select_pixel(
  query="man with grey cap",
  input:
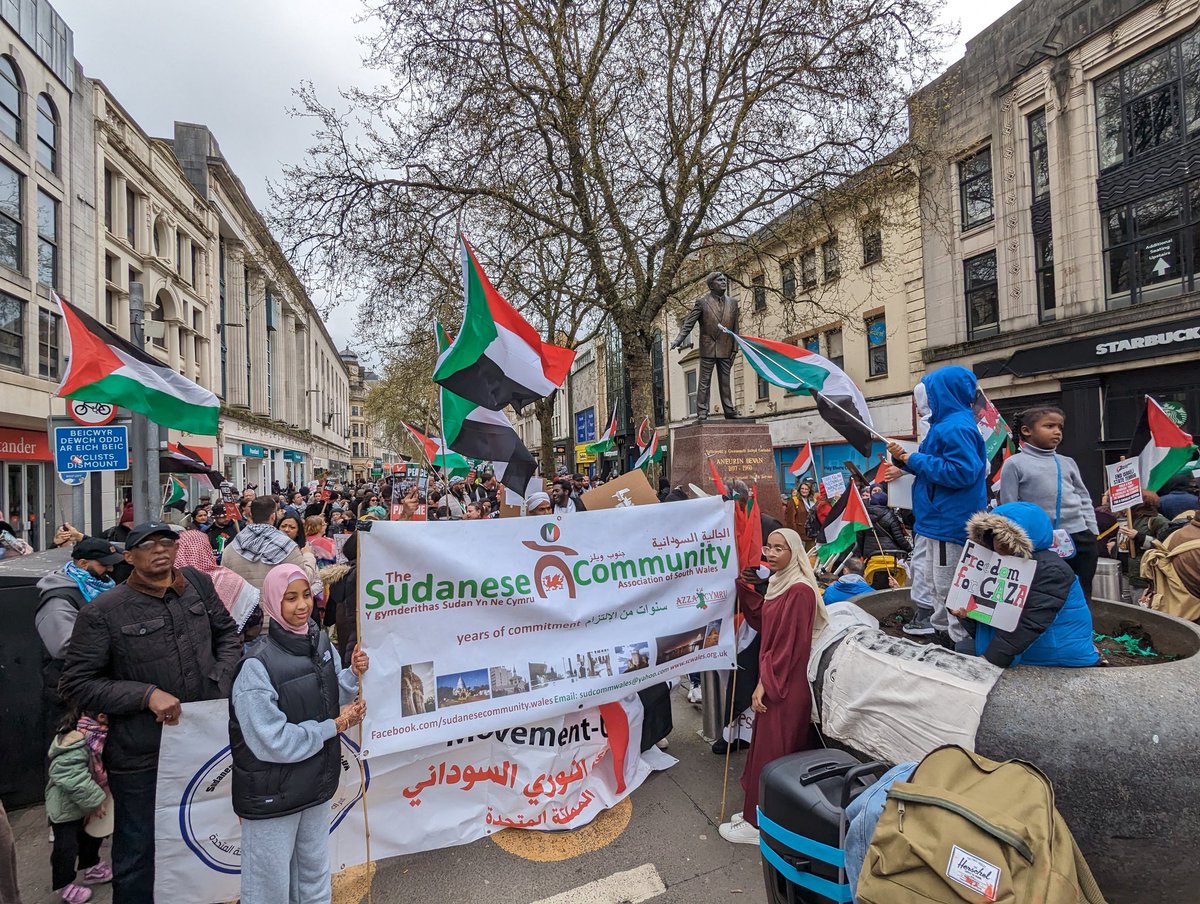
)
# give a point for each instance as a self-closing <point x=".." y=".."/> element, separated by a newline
<point x="62" y="593"/>
<point x="138" y="651"/>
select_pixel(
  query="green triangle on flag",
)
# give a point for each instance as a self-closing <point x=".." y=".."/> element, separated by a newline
<point x="847" y="517"/>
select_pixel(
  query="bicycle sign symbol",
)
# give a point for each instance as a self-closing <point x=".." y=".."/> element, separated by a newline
<point x="91" y="414"/>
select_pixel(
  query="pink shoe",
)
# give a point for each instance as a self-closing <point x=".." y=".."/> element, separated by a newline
<point x="76" y="894"/>
<point x="98" y="874"/>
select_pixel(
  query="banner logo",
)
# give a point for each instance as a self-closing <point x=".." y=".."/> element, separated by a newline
<point x="560" y="575"/>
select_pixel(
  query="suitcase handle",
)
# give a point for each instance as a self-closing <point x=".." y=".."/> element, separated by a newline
<point x="823" y="772"/>
<point x="856" y="772"/>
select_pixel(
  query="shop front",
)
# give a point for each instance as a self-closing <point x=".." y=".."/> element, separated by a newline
<point x="27" y="493"/>
<point x="295" y="472"/>
<point x="1101" y="383"/>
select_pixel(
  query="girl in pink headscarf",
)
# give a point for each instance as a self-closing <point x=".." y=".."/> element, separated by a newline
<point x="291" y="698"/>
<point x="239" y="595"/>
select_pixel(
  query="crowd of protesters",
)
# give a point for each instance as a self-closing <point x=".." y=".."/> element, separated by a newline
<point x="248" y="592"/>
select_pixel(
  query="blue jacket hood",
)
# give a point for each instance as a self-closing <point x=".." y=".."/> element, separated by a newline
<point x="1030" y="518"/>
<point x="949" y="389"/>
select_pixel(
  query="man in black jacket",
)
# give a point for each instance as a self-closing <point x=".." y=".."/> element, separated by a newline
<point x="137" y="652"/>
<point x="886" y="538"/>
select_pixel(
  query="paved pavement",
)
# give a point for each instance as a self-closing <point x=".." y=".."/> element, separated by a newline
<point x="668" y="853"/>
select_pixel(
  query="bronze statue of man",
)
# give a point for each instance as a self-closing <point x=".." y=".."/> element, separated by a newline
<point x="717" y="348"/>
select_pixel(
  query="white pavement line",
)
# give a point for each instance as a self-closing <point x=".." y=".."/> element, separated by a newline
<point x="630" y="887"/>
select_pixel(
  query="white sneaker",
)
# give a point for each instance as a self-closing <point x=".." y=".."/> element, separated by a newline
<point x="694" y="695"/>
<point x="663" y="744"/>
<point x="738" y="831"/>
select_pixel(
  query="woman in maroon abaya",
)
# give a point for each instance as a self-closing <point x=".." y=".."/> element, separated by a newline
<point x="788" y="617"/>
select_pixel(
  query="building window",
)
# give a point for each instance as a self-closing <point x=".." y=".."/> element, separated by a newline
<point x="758" y="287"/>
<point x="11" y="206"/>
<point x="877" y="365"/>
<point x="158" y="231"/>
<point x="1043" y="249"/>
<point x="48" y="343"/>
<point x="1138" y="107"/>
<point x="1152" y="246"/>
<point x="158" y="315"/>
<point x="195" y="268"/>
<point x="354" y="410"/>
<point x="12" y="332"/>
<point x="975" y="189"/>
<point x="833" y="347"/>
<point x="47" y="133"/>
<point x="1039" y="155"/>
<point x="131" y="205"/>
<point x="179" y="253"/>
<point x="872" y="242"/>
<point x="690" y="380"/>
<point x="10" y="99"/>
<point x="808" y="269"/>
<point x="833" y="266"/>
<point x="787" y="279"/>
<point x="983" y="295"/>
<point x="813" y="343"/>
<point x="109" y="200"/>
<point x="354" y="429"/>
<point x="764" y="390"/>
<point x="47" y="224"/>
<point x="110" y="297"/>
<point x="197" y="333"/>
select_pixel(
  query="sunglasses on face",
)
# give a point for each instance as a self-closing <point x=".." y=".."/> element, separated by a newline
<point x="151" y="542"/>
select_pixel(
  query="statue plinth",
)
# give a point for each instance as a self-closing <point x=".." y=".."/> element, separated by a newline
<point x="739" y="449"/>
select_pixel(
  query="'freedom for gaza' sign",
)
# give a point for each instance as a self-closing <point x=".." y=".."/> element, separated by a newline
<point x="476" y="627"/>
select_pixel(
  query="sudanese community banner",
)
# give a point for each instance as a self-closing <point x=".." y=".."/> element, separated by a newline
<point x="482" y="627"/>
<point x="559" y="773"/>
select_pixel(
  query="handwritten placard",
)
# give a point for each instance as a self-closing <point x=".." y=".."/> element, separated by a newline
<point x="991" y="587"/>
<point x="834" y="485"/>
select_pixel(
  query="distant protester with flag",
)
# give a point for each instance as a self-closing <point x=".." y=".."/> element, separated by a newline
<point x="1039" y="474"/>
<point x="951" y="470"/>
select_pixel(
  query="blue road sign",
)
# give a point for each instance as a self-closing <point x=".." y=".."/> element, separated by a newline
<point x="78" y="450"/>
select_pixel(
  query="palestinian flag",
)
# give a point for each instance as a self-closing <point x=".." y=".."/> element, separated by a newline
<point x="747" y="531"/>
<point x="436" y="453"/>
<point x="497" y="359"/>
<point x="481" y="433"/>
<point x="650" y="453"/>
<point x="847" y="517"/>
<point x="607" y="438"/>
<point x="179" y="459"/>
<point x="1008" y="453"/>
<point x="839" y="401"/>
<point x="1162" y="448"/>
<point x="106" y="368"/>
<point x="803" y="461"/>
<point x="992" y="426"/>
<point x="175" y="493"/>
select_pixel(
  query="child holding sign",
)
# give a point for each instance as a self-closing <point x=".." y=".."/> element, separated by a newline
<point x="1052" y="481"/>
<point x="1055" y="628"/>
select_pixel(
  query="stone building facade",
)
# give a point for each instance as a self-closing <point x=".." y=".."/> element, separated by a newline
<point x="1061" y="216"/>
<point x="46" y="245"/>
<point x="284" y="386"/>
<point x="841" y="276"/>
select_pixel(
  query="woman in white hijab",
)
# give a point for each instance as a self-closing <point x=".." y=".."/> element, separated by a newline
<point x="788" y="617"/>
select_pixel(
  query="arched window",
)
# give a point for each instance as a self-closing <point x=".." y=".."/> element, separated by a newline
<point x="47" y="133"/>
<point x="10" y="99"/>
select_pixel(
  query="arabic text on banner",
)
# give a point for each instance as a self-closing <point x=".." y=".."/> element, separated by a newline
<point x="556" y="774"/>
<point x="478" y="627"/>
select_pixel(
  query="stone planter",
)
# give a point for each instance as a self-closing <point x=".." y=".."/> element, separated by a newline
<point x="1122" y="747"/>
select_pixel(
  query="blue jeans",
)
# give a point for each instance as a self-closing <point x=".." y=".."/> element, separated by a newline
<point x="133" y="836"/>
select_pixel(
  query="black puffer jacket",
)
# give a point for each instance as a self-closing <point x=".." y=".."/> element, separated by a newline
<point x="890" y="531"/>
<point x="126" y="643"/>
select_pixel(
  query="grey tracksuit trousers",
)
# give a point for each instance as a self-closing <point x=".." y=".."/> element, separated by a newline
<point x="301" y="840"/>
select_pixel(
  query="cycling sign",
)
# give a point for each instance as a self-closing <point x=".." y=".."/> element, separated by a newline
<point x="91" y="414"/>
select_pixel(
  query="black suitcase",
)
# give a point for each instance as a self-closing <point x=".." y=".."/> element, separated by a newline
<point x="802" y="804"/>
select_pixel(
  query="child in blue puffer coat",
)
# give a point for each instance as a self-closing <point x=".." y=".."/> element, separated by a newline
<point x="1056" y="627"/>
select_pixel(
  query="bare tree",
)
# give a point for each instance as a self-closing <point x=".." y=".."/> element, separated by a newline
<point x="640" y="130"/>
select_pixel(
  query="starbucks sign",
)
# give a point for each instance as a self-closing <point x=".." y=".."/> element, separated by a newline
<point x="1176" y="412"/>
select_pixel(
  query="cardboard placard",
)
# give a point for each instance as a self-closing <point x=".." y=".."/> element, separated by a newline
<point x="507" y="508"/>
<point x="631" y="488"/>
<point x="900" y="490"/>
<point x="834" y="485"/>
<point x="990" y="586"/>
<point x="1124" y="485"/>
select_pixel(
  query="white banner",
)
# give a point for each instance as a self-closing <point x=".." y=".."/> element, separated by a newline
<point x="556" y="774"/>
<point x="480" y="626"/>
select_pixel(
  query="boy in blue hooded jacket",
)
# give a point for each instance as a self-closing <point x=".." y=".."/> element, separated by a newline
<point x="950" y="486"/>
<point x="1056" y="627"/>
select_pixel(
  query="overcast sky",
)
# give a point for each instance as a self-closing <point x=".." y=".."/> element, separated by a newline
<point x="233" y="64"/>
